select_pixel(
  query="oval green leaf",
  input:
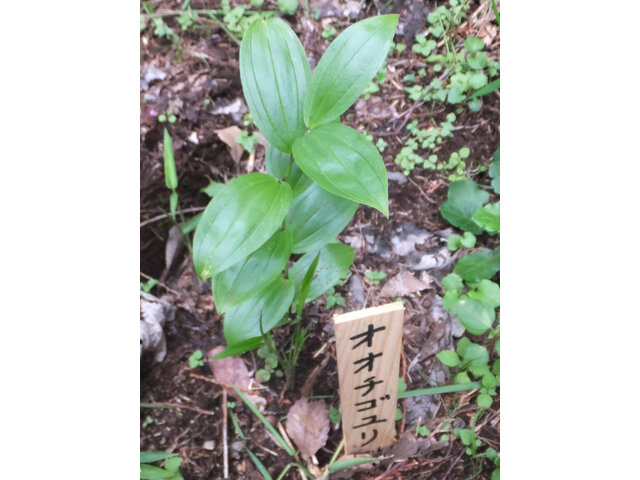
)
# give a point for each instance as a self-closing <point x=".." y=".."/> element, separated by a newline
<point x="333" y="264"/>
<point x="463" y="199"/>
<point x="275" y="72"/>
<point x="347" y="67"/>
<point x="247" y="278"/>
<point x="481" y="264"/>
<point x="477" y="317"/>
<point x="238" y="220"/>
<point x="316" y="217"/>
<point x="243" y="321"/>
<point x="343" y="162"/>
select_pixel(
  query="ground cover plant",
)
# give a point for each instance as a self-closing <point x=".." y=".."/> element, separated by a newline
<point x="431" y="242"/>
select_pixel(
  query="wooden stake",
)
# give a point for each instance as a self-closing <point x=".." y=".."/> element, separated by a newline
<point x="368" y="344"/>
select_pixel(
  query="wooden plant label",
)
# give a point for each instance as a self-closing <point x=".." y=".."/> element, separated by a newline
<point x="368" y="344"/>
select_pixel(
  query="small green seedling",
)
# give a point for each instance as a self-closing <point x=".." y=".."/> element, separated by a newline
<point x="335" y="416"/>
<point x="375" y="276"/>
<point x="195" y="359"/>
<point x="148" y="285"/>
<point x="423" y="431"/>
<point x="270" y="364"/>
<point x="334" y="298"/>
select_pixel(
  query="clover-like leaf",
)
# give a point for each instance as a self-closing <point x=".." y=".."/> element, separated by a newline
<point x="238" y="220"/>
<point x="488" y="217"/>
<point x="275" y="72"/>
<point x="343" y="162"/>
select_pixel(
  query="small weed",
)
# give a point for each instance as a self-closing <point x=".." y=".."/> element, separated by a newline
<point x="270" y="365"/>
<point x="335" y="416"/>
<point x="329" y="33"/>
<point x="247" y="141"/>
<point x="147" y="421"/>
<point x="375" y="276"/>
<point x="148" y="285"/>
<point x="288" y="7"/>
<point x="423" y="431"/>
<point x="334" y="298"/>
<point x="168" y="116"/>
<point x="195" y="359"/>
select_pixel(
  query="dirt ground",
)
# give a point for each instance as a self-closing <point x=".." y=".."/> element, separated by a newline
<point x="199" y="81"/>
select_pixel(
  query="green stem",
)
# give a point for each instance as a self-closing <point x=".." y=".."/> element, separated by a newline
<point x="437" y="390"/>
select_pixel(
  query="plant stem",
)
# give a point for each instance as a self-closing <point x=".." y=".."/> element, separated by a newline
<point x="437" y="390"/>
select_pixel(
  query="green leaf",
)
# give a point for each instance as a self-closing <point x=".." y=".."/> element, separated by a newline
<point x="468" y="240"/>
<point x="449" y="358"/>
<point x="276" y="162"/>
<point x="243" y="322"/>
<point x="462" y="346"/>
<point x="347" y="67"/>
<point x="149" y="472"/>
<point x="477" y="317"/>
<point x="249" y="277"/>
<point x="463" y="199"/>
<point x="462" y="377"/>
<point x="488" y="217"/>
<point x="476" y="355"/>
<point x="453" y="242"/>
<point x="456" y="94"/>
<point x="240" y="347"/>
<point x="495" y="85"/>
<point x="334" y="415"/>
<point x="333" y="264"/>
<point x="265" y="422"/>
<point x="352" y="462"/>
<point x="473" y="44"/>
<point x="489" y="380"/>
<point x="452" y="283"/>
<point x="275" y="72"/>
<point x="343" y="162"/>
<point x="496" y="473"/>
<point x="484" y="400"/>
<point x="478" y="61"/>
<point x="467" y="436"/>
<point x="494" y="171"/>
<point x="152" y="457"/>
<point x="317" y="217"/>
<point x="239" y="219"/>
<point x="173" y="464"/>
<point x="487" y="292"/>
<point x="256" y="461"/>
<point x="170" y="174"/>
<point x="478" y="80"/>
<point x="479" y="265"/>
<point x="212" y="188"/>
<point x="288" y="7"/>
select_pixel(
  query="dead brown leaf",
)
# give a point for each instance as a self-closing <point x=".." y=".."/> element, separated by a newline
<point x="402" y="284"/>
<point x="228" y="135"/>
<point x="232" y="371"/>
<point x="308" y="425"/>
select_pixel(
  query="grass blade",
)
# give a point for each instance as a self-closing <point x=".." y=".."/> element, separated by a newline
<point x="495" y="85"/>
<point x="259" y="465"/>
<point x="266" y="423"/>
<point x="437" y="390"/>
<point x="352" y="462"/>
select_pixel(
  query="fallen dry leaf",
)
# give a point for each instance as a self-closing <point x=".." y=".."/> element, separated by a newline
<point x="228" y="135"/>
<point x="232" y="371"/>
<point x="308" y="425"/>
<point x="402" y="284"/>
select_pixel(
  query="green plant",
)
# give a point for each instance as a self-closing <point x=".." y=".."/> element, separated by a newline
<point x="195" y="359"/>
<point x="170" y="174"/>
<point x="375" y="276"/>
<point x="329" y="33"/>
<point x="148" y="285"/>
<point x="318" y="171"/>
<point x="288" y="7"/>
<point x="334" y="298"/>
<point x="270" y="364"/>
<point x="170" y="470"/>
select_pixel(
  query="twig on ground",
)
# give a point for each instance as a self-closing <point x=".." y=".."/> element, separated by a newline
<point x="225" y="447"/>
<point x="433" y="202"/>
<point x="168" y="215"/>
<point x="159" y="283"/>
<point x="455" y="462"/>
<point x="181" y="406"/>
